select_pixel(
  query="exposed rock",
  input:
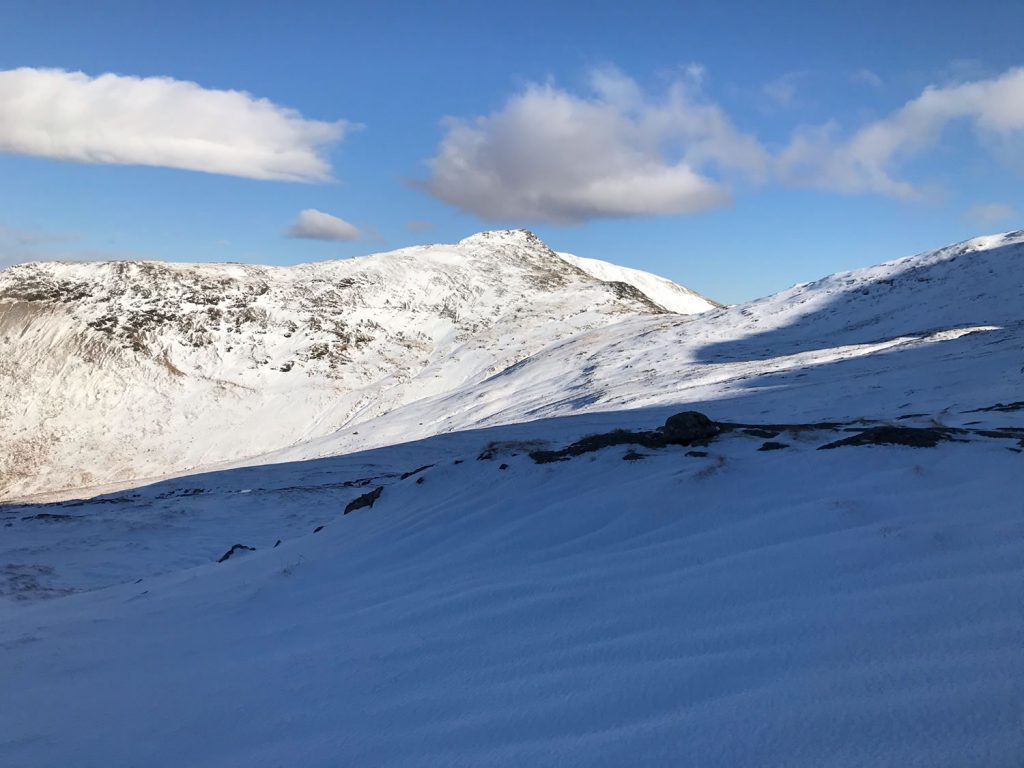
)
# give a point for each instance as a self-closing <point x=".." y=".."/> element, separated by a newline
<point x="770" y="445"/>
<point x="234" y="549"/>
<point x="768" y="431"/>
<point x="912" y="437"/>
<point x="592" y="443"/>
<point x="689" y="427"/>
<point x="366" y="500"/>
<point x="1002" y="433"/>
<point x="407" y="475"/>
<point x="1017" y="405"/>
<point x="509" y="447"/>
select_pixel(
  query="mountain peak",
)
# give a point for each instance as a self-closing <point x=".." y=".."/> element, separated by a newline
<point x="505" y="236"/>
<point x="332" y="344"/>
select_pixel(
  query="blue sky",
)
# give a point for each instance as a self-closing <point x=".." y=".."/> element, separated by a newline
<point x="734" y="147"/>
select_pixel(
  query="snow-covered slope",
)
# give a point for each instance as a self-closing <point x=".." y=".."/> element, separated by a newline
<point x="671" y="296"/>
<point x="723" y="607"/>
<point x="125" y="370"/>
<point x="938" y="333"/>
<point x="750" y="601"/>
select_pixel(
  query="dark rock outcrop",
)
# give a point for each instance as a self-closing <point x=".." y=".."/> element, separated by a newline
<point x="688" y="427"/>
<point x="912" y="437"/>
<point x="235" y="548"/>
<point x="1017" y="405"/>
<point x="407" y="475"/>
<point x="366" y="500"/>
<point x="593" y="443"/>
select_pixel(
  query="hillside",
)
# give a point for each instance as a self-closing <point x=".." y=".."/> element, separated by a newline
<point x="671" y="296"/>
<point x="125" y="370"/>
<point x="626" y="606"/>
<point x="828" y="572"/>
<point x="930" y="336"/>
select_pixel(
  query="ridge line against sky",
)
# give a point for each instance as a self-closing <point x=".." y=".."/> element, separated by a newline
<point x="578" y="153"/>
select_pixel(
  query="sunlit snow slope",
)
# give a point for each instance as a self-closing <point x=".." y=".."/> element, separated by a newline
<point x="673" y="297"/>
<point x="125" y="370"/>
<point x="938" y="333"/>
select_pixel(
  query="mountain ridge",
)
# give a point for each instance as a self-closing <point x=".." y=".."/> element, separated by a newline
<point x="952" y="311"/>
<point x="210" y="347"/>
<point x="948" y="309"/>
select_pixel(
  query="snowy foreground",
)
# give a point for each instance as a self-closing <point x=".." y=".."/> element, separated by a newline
<point x="751" y="601"/>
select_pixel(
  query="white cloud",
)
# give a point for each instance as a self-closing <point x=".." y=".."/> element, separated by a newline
<point x="987" y="214"/>
<point x="549" y="155"/>
<point x="161" y="122"/>
<point x="782" y="90"/>
<point x="312" y="224"/>
<point x="864" y="162"/>
<point x="695" y="73"/>
<point x="867" y="77"/>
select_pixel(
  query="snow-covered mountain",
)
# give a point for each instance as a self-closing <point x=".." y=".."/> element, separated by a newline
<point x="940" y="333"/>
<point x="124" y="370"/>
<point x="671" y="296"/>
<point x="515" y="595"/>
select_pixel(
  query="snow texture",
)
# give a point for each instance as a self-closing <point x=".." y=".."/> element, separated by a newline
<point x="673" y="297"/>
<point x="119" y="371"/>
<point x="714" y="605"/>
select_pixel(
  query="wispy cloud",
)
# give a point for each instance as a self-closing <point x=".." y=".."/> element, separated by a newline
<point x="551" y="155"/>
<point x="865" y="162"/>
<point x="867" y="77"/>
<point x="8" y="258"/>
<point x="27" y="238"/>
<point x="782" y="91"/>
<point x="312" y="224"/>
<point x="19" y="246"/>
<point x="988" y="214"/>
<point x="159" y="121"/>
